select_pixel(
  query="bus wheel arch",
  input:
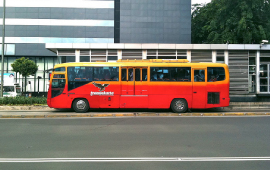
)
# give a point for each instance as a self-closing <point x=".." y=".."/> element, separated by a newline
<point x="80" y="105"/>
<point x="179" y="105"/>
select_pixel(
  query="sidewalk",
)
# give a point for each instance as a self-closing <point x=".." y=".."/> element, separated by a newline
<point x="8" y="108"/>
<point x="46" y="112"/>
<point x="234" y="106"/>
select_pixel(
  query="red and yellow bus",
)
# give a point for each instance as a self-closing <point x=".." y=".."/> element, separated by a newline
<point x="152" y="84"/>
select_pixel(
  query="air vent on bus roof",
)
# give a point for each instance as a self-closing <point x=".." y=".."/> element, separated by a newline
<point x="157" y="61"/>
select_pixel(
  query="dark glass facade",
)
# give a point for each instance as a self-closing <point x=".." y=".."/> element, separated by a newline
<point x="155" y="21"/>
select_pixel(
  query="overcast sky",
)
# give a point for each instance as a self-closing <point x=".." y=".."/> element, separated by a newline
<point x="199" y="1"/>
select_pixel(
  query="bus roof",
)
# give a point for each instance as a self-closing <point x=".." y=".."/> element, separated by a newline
<point x="143" y="63"/>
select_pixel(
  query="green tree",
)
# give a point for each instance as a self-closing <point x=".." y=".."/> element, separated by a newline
<point x="231" y="21"/>
<point x="25" y="67"/>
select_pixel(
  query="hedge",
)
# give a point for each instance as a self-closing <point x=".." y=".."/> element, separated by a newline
<point x="23" y="101"/>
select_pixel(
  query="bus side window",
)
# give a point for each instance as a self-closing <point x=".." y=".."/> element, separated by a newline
<point x="98" y="74"/>
<point x="157" y="73"/>
<point x="169" y="74"/>
<point x="180" y="74"/>
<point x="166" y="74"/>
<point x="137" y="74"/>
<point x="199" y="75"/>
<point x="124" y="74"/>
<point x="106" y="74"/>
<point x="215" y="74"/>
<point x="71" y="73"/>
<point x="144" y="74"/>
<point x="114" y="73"/>
<point x="188" y="74"/>
<point x="89" y="73"/>
<point x="153" y="73"/>
<point x="78" y="76"/>
<point x="130" y="74"/>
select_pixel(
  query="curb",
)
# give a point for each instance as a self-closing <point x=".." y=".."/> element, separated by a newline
<point x="219" y="112"/>
<point x="6" y="116"/>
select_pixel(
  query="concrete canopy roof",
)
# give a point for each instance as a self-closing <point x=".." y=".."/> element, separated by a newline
<point x="118" y="46"/>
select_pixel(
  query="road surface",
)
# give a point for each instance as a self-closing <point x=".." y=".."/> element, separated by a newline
<point x="136" y="143"/>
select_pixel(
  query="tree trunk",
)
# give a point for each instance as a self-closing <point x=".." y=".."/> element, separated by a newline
<point x="25" y="84"/>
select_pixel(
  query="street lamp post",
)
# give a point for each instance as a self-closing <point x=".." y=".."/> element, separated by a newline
<point x="3" y="45"/>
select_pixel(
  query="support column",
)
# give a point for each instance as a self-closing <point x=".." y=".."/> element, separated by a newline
<point x="59" y="58"/>
<point x="189" y="55"/>
<point x="144" y="53"/>
<point x="214" y="56"/>
<point x="226" y="55"/>
<point x="258" y="71"/>
<point x="77" y="55"/>
<point x="119" y="54"/>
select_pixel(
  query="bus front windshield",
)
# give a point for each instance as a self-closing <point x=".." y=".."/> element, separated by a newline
<point x="58" y="84"/>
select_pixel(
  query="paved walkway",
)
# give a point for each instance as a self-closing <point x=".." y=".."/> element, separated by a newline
<point x="46" y="112"/>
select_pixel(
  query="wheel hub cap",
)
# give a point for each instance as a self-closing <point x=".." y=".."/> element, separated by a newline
<point x="81" y="104"/>
<point x="179" y="105"/>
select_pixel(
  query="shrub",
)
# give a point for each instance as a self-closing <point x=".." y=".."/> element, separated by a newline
<point x="21" y="100"/>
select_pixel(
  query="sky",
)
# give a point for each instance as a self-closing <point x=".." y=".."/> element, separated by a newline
<point x="199" y="1"/>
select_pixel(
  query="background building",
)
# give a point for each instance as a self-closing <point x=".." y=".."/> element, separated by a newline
<point x="153" y="21"/>
<point x="32" y="23"/>
<point x="249" y="64"/>
<point x="91" y="30"/>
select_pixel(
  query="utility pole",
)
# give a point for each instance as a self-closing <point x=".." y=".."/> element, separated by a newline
<point x="3" y="47"/>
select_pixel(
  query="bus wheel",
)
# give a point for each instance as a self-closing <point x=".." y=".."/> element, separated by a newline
<point x="179" y="105"/>
<point x="80" y="105"/>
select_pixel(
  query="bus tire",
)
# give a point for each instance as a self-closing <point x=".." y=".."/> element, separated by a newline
<point x="179" y="105"/>
<point x="80" y="105"/>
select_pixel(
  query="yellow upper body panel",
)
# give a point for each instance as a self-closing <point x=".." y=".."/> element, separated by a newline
<point x="144" y="63"/>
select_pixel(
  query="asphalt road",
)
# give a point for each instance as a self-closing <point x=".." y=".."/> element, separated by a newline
<point x="136" y="143"/>
<point x="61" y="113"/>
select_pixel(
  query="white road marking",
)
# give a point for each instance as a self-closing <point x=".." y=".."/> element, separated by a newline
<point x="162" y="159"/>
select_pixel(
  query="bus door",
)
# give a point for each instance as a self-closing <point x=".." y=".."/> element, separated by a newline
<point x="134" y="87"/>
<point x="127" y="81"/>
<point x="141" y="87"/>
<point x="199" y="98"/>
